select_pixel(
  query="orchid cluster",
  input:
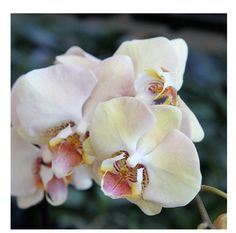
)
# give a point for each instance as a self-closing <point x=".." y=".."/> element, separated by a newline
<point x="117" y="121"/>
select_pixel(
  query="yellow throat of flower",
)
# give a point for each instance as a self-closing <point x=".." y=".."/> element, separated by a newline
<point x="163" y="92"/>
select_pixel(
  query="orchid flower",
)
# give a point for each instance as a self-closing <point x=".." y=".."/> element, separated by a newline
<point x="32" y="175"/>
<point x="52" y="107"/>
<point x="142" y="156"/>
<point x="159" y="66"/>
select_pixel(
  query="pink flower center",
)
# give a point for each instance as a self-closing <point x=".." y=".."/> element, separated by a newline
<point x="122" y="180"/>
<point x="66" y="151"/>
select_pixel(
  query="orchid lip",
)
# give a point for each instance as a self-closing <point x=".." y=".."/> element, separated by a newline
<point x="66" y="147"/>
<point x="123" y="180"/>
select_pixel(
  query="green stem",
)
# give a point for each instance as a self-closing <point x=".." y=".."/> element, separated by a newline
<point x="213" y="190"/>
<point x="203" y="212"/>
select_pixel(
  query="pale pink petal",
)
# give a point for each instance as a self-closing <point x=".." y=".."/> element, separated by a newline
<point x="114" y="186"/>
<point x="49" y="96"/>
<point x="23" y="158"/>
<point x="148" y="207"/>
<point x="24" y="202"/>
<point x="82" y="177"/>
<point x="181" y="49"/>
<point x="152" y="53"/>
<point x="115" y="78"/>
<point x="118" y="124"/>
<point x="64" y="159"/>
<point x="46" y="174"/>
<point x="190" y="125"/>
<point x="173" y="171"/>
<point x="167" y="118"/>
<point x="56" y="191"/>
<point x="75" y="55"/>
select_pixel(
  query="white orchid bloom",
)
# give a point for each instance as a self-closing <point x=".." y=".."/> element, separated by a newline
<point x="159" y="66"/>
<point x="142" y="155"/>
<point x="52" y="107"/>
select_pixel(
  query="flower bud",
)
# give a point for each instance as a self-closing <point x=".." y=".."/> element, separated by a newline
<point x="221" y="221"/>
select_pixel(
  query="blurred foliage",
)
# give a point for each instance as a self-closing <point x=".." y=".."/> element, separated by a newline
<point x="37" y="39"/>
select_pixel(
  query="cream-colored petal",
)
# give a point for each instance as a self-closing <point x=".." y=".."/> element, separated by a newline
<point x="82" y="177"/>
<point x="46" y="154"/>
<point x="167" y="118"/>
<point x="182" y="53"/>
<point x="88" y="152"/>
<point x="23" y="158"/>
<point x="152" y="53"/>
<point x="190" y="125"/>
<point x="96" y="172"/>
<point x="24" y="202"/>
<point x="115" y="78"/>
<point x="148" y="207"/>
<point x="76" y="55"/>
<point x="49" y="96"/>
<point x="118" y="124"/>
<point x="173" y="171"/>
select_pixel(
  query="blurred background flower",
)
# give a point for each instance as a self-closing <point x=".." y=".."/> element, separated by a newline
<point x="37" y="39"/>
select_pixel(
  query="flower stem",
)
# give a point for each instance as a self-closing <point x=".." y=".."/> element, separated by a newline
<point x="213" y="190"/>
<point x="203" y="212"/>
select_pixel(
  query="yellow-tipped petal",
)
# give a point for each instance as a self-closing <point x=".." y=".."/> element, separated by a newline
<point x="148" y="207"/>
<point x="150" y="53"/>
<point x="118" y="124"/>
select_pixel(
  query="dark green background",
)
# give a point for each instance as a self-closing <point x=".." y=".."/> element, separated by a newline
<point x="37" y="39"/>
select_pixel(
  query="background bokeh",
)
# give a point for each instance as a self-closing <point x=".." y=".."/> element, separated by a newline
<point x="37" y="39"/>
